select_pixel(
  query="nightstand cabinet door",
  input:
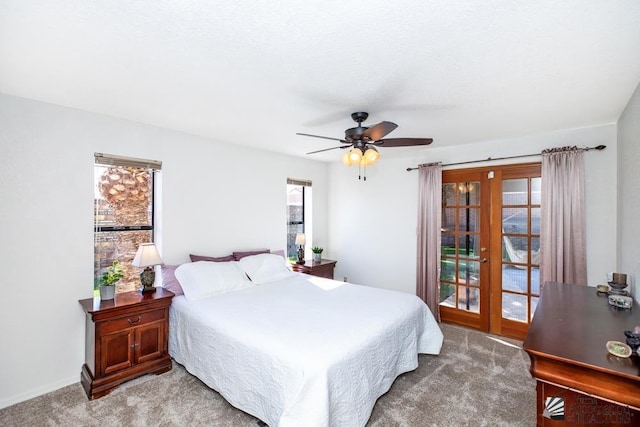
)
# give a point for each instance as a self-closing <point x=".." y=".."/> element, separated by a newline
<point x="149" y="342"/>
<point x="116" y="352"/>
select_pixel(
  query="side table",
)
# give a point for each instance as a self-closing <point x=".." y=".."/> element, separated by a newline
<point x="126" y="337"/>
<point x="324" y="268"/>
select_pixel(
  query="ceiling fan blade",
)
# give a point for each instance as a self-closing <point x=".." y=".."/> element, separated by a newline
<point x="323" y="137"/>
<point x="403" y="142"/>
<point x="327" y="149"/>
<point x="379" y="131"/>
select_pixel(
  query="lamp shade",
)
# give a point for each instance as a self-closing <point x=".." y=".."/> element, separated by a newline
<point x="146" y="256"/>
<point x="300" y="239"/>
<point x="346" y="159"/>
<point x="371" y="155"/>
<point x="355" y="155"/>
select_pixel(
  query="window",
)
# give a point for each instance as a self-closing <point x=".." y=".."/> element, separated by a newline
<point x="298" y="214"/>
<point x="123" y="214"/>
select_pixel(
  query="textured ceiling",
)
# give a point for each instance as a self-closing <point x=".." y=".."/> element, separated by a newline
<point x="257" y="72"/>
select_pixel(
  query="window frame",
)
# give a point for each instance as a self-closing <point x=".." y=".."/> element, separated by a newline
<point x="291" y="255"/>
<point x="106" y="161"/>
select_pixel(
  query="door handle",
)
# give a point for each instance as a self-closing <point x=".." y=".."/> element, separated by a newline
<point x="483" y="260"/>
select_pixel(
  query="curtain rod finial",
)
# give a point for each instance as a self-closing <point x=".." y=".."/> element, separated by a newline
<point x="601" y="147"/>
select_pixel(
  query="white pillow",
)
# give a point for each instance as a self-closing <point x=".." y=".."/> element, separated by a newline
<point x="265" y="268"/>
<point x="203" y="279"/>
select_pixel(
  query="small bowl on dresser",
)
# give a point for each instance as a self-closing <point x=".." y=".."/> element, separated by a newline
<point x="603" y="289"/>
<point x="618" y="349"/>
<point x="620" y="301"/>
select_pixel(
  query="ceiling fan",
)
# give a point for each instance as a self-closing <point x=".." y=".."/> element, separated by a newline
<point x="362" y="140"/>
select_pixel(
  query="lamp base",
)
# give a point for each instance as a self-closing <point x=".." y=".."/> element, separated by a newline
<point x="300" y="255"/>
<point x="147" y="279"/>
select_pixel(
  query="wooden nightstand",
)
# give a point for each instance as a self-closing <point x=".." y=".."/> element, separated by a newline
<point x="125" y="338"/>
<point x="324" y="268"/>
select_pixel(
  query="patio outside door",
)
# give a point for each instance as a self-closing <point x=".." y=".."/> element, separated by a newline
<point x="489" y="277"/>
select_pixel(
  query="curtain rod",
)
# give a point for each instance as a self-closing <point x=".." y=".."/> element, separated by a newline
<point x="599" y="147"/>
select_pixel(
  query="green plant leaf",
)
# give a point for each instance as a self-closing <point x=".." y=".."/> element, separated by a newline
<point x="112" y="274"/>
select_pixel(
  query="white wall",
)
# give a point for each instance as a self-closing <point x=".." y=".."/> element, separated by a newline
<point x="628" y="201"/>
<point x="215" y="198"/>
<point x="373" y="224"/>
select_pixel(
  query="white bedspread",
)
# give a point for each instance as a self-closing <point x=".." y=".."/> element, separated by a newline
<point x="304" y="351"/>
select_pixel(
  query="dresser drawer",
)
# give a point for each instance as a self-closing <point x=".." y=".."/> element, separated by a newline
<point x="327" y="273"/>
<point x="132" y="320"/>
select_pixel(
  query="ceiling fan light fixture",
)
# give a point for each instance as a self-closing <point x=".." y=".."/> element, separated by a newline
<point x="346" y="159"/>
<point x="371" y="155"/>
<point x="360" y="141"/>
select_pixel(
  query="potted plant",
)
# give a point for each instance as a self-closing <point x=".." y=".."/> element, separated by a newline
<point x="110" y="277"/>
<point x="317" y="253"/>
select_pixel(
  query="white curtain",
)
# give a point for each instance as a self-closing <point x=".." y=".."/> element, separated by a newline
<point x="563" y="229"/>
<point x="429" y="223"/>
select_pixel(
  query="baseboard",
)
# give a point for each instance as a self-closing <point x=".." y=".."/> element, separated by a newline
<point x="12" y="400"/>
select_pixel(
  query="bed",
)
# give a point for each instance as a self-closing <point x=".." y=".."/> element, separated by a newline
<point x="293" y="349"/>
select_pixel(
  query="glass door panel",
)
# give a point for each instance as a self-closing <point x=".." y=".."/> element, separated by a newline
<point x="469" y="276"/>
<point x="448" y="219"/>
<point x="515" y="250"/>
<point x="536" y="186"/>
<point x="515" y="220"/>
<point x="534" y="304"/>
<point x="469" y="219"/>
<point x="514" y="307"/>
<point x="468" y="246"/>
<point x="468" y="299"/>
<point x="515" y="192"/>
<point x="449" y="194"/>
<point x="468" y="193"/>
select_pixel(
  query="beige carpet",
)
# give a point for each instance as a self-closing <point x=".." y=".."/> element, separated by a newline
<point x="475" y="381"/>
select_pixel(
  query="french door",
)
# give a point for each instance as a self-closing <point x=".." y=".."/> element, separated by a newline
<point x="489" y="277"/>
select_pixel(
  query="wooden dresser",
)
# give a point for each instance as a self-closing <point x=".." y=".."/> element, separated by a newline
<point x="573" y="370"/>
<point x="324" y="268"/>
<point x="125" y="338"/>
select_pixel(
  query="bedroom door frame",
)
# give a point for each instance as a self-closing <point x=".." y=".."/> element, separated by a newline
<point x="486" y="255"/>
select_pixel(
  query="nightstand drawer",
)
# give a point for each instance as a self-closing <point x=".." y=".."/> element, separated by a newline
<point x="327" y="273"/>
<point x="130" y="321"/>
<point x="323" y="268"/>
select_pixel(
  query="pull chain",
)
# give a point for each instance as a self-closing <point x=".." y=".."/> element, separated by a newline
<point x="362" y="171"/>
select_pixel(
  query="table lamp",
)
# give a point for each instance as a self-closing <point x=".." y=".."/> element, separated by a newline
<point x="300" y="241"/>
<point x="147" y="256"/>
